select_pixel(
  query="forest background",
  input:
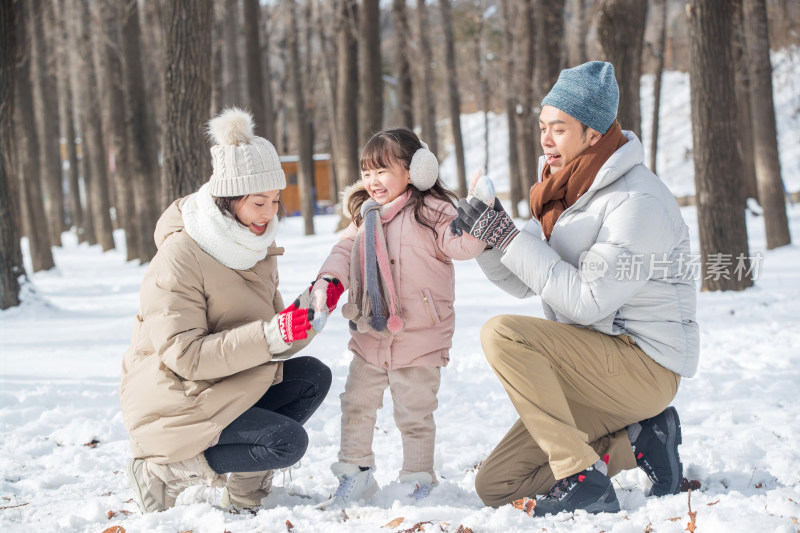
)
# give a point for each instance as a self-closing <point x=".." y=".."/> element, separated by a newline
<point x="104" y="102"/>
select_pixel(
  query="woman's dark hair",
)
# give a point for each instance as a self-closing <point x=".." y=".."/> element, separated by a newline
<point x="399" y="145"/>
<point x="227" y="203"/>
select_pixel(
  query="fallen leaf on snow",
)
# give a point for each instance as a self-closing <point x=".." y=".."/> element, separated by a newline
<point x="394" y="523"/>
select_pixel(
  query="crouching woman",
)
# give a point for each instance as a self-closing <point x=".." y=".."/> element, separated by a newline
<point x="207" y="385"/>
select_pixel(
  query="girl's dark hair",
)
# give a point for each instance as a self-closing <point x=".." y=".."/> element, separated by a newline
<point x="227" y="203"/>
<point x="399" y="145"/>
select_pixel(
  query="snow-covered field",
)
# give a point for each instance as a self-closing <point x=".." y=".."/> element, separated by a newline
<point x="61" y="354"/>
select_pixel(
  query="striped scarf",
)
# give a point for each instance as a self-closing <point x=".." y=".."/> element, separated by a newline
<point x="372" y="294"/>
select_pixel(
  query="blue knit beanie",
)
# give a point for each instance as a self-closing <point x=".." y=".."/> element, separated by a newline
<point x="589" y="93"/>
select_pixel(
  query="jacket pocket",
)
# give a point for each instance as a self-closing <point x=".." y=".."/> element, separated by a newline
<point x="430" y="307"/>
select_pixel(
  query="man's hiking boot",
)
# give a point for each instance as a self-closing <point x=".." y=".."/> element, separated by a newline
<point x="656" y="451"/>
<point x="589" y="489"/>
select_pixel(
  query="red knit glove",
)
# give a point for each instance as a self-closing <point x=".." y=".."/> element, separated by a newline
<point x="332" y="288"/>
<point x="289" y="325"/>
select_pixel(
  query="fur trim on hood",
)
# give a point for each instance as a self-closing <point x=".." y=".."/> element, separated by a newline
<point x="345" y="195"/>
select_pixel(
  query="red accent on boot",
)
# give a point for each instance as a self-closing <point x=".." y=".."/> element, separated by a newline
<point x="606" y="458"/>
<point x="640" y="455"/>
<point x="581" y="477"/>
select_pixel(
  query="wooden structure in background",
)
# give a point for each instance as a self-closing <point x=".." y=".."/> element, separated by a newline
<point x="323" y="193"/>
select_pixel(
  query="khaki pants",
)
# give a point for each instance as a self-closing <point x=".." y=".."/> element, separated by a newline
<point x="413" y="391"/>
<point x="575" y="390"/>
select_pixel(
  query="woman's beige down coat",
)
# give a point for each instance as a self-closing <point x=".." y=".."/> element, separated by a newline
<point x="198" y="356"/>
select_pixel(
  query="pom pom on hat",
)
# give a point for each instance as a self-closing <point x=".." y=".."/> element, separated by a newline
<point x="233" y="126"/>
<point x="424" y="168"/>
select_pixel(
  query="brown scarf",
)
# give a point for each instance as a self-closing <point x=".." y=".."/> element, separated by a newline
<point x="556" y="192"/>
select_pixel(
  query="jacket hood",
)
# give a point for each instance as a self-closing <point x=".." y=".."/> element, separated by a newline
<point x="171" y="221"/>
<point x="345" y="195"/>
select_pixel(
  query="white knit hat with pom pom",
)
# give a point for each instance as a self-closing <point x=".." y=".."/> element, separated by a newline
<point x="243" y="162"/>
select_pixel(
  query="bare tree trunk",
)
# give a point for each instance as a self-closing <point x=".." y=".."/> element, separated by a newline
<point x="767" y="162"/>
<point x="510" y="106"/>
<point x="548" y="27"/>
<point x="269" y="108"/>
<point x="152" y="33"/>
<point x="328" y="44"/>
<point x="232" y="77"/>
<point x="139" y="128"/>
<point x="477" y="41"/>
<point x="27" y="168"/>
<point x="46" y="112"/>
<point x="304" y="178"/>
<point x="453" y="96"/>
<point x="66" y="116"/>
<point x="93" y="143"/>
<point x="527" y="104"/>
<point x="659" y="53"/>
<point x="745" y="141"/>
<point x="404" y="80"/>
<point x="426" y="95"/>
<point x="621" y="33"/>
<point x="717" y="167"/>
<point x="217" y="51"/>
<point x="71" y="11"/>
<point x="11" y="265"/>
<point x="347" y="171"/>
<point x="116" y="130"/>
<point x="371" y="79"/>
<point x="187" y="61"/>
<point x="580" y="23"/>
<point x="252" y="55"/>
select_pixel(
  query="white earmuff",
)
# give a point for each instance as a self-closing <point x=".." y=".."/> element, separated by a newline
<point x="424" y="168"/>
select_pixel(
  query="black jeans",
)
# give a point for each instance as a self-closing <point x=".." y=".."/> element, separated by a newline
<point x="270" y="434"/>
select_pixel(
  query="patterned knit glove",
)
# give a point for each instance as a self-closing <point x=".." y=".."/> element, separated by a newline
<point x="492" y="226"/>
<point x="289" y="325"/>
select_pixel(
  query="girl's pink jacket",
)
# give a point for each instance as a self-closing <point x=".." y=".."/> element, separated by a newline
<point x="424" y="278"/>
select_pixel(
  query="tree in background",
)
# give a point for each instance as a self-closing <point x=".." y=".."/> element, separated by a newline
<point x="11" y="267"/>
<point x="658" y="52"/>
<point x="109" y="66"/>
<point x="346" y="161"/>
<point x="370" y="66"/>
<point x="621" y="33"/>
<point x="402" y="32"/>
<point x="765" y="132"/>
<point x="45" y="105"/>
<point x="187" y="92"/>
<point x="94" y="148"/>
<point x="509" y="91"/>
<point x="453" y="96"/>
<point x="744" y="131"/>
<point x="27" y="169"/>
<point x="717" y="164"/>
<point x="527" y="115"/>
<point x="140" y="129"/>
<point x="66" y="117"/>
<point x="427" y="97"/>
<point x="305" y="167"/>
<point x="255" y="80"/>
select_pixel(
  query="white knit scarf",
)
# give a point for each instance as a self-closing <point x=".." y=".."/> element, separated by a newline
<point x="223" y="237"/>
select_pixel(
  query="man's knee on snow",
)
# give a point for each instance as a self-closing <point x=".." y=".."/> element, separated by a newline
<point x="492" y="491"/>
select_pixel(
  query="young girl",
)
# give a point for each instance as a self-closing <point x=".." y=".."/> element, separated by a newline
<point x="396" y="259"/>
<point x="205" y="389"/>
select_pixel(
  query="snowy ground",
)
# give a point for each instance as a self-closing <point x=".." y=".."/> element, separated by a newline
<point x="61" y="353"/>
